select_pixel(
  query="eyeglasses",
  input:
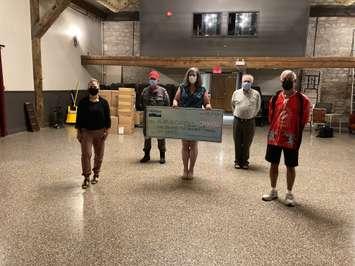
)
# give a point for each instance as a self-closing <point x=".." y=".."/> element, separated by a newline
<point x="248" y="81"/>
<point x="192" y="75"/>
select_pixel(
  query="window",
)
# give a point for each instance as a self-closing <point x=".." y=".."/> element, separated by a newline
<point x="207" y="24"/>
<point x="242" y="24"/>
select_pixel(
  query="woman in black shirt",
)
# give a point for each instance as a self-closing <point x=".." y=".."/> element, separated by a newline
<point x="93" y="121"/>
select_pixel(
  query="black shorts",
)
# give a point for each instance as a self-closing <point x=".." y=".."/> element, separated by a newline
<point x="273" y="155"/>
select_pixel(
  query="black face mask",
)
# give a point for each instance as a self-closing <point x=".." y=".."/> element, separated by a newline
<point x="93" y="90"/>
<point x="287" y="84"/>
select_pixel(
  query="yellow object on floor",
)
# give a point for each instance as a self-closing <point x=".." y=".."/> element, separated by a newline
<point x="71" y="116"/>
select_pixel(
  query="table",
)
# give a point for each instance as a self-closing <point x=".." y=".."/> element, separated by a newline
<point x="338" y="116"/>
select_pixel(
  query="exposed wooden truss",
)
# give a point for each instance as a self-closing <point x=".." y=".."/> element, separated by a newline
<point x="39" y="27"/>
<point x="345" y="2"/>
<point x="224" y="62"/>
<point x="90" y="8"/>
<point x="114" y="5"/>
<point x="123" y="16"/>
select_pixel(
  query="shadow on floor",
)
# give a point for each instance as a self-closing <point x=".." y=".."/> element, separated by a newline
<point x="176" y="184"/>
<point x="314" y="215"/>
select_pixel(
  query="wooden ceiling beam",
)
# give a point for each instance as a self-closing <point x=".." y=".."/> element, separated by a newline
<point x="41" y="27"/>
<point x="123" y="16"/>
<point x="332" y="11"/>
<point x="224" y="62"/>
<point x="90" y="8"/>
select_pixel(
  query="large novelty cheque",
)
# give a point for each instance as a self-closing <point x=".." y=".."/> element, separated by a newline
<point x="184" y="123"/>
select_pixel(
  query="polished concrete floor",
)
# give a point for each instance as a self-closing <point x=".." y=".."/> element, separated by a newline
<point x="146" y="215"/>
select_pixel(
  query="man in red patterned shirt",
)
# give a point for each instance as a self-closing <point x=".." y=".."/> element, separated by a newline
<point x="288" y="114"/>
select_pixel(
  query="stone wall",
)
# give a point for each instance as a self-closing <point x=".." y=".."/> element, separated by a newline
<point x="333" y="38"/>
<point x="123" y="39"/>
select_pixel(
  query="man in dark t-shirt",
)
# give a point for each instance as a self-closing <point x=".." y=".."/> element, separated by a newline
<point x="93" y="121"/>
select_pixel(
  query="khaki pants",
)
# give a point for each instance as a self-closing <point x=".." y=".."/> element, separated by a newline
<point x="92" y="139"/>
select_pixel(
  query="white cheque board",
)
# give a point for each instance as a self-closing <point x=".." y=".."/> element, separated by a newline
<point x="184" y="123"/>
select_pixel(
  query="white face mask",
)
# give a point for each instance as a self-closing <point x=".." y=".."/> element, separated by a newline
<point x="192" y="79"/>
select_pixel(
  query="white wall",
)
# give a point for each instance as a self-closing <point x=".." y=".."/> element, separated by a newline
<point x="61" y="60"/>
<point x="15" y="33"/>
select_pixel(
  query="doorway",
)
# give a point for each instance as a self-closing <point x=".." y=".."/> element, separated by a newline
<point x="222" y="88"/>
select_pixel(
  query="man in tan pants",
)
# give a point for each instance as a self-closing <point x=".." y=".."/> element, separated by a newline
<point x="93" y="121"/>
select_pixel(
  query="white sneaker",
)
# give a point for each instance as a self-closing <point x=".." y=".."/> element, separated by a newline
<point x="271" y="196"/>
<point x="290" y="200"/>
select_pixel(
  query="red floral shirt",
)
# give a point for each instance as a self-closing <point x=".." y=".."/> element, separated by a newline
<point x="287" y="120"/>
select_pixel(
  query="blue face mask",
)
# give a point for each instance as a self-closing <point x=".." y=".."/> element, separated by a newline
<point x="153" y="83"/>
<point x="246" y="85"/>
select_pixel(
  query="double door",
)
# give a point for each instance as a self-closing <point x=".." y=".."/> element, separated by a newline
<point x="221" y="89"/>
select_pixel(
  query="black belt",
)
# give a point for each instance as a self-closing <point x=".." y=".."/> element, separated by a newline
<point x="243" y="120"/>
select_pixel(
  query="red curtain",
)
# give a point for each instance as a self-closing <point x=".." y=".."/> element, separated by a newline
<point x="3" y="130"/>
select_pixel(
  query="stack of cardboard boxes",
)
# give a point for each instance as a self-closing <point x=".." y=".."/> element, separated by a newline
<point x="122" y="108"/>
<point x="126" y="110"/>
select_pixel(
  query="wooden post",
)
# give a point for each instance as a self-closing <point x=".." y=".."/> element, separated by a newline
<point x="39" y="28"/>
<point x="38" y="80"/>
<point x="42" y="25"/>
<point x="37" y="63"/>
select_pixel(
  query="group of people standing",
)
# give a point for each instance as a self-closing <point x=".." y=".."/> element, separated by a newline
<point x="288" y="113"/>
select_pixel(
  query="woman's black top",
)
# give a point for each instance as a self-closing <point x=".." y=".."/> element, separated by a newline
<point x="93" y="115"/>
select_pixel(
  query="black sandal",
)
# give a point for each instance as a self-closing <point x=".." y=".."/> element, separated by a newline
<point x="86" y="183"/>
<point x="95" y="179"/>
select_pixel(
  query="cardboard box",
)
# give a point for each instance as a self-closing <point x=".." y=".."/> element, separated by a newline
<point x="113" y="111"/>
<point x="114" y="125"/>
<point x="126" y="119"/>
<point x="125" y="130"/>
<point x="127" y="90"/>
<point x="126" y="106"/>
<point x="106" y="95"/>
<point x="114" y="99"/>
<point x="125" y="112"/>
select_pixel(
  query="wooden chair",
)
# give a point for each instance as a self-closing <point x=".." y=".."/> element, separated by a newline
<point x="318" y="117"/>
<point x="351" y="123"/>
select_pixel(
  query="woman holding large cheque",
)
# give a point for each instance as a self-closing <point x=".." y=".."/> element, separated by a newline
<point x="191" y="94"/>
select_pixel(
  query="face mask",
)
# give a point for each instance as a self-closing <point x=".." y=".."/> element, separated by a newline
<point x="246" y="85"/>
<point x="153" y="83"/>
<point x="287" y="84"/>
<point x="93" y="90"/>
<point x="192" y="79"/>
